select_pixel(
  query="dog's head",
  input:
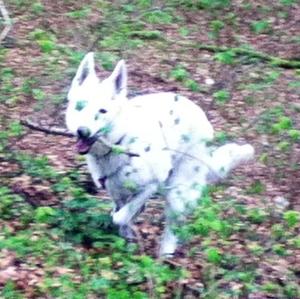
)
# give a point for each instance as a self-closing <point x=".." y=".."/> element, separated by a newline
<point x="93" y="105"/>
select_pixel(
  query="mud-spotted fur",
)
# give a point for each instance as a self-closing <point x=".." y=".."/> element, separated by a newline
<point x="154" y="143"/>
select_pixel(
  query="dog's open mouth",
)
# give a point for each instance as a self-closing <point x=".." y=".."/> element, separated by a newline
<point x="83" y="145"/>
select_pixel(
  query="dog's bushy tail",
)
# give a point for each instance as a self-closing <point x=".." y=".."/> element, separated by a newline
<point x="227" y="157"/>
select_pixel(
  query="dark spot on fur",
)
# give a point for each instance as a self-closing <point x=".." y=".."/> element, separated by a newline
<point x="132" y="155"/>
<point x="103" y="111"/>
<point x="177" y="121"/>
<point x="120" y="140"/>
<point x="170" y="172"/>
<point x="148" y="148"/>
<point x="176" y="98"/>
<point x="132" y="140"/>
<point x="80" y="105"/>
<point x="171" y="112"/>
<point x="195" y="185"/>
<point x="185" y="138"/>
<point x="160" y="124"/>
<point x="102" y="181"/>
<point x="196" y="168"/>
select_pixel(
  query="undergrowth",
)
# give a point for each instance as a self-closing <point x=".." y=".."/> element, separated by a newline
<point x="69" y="248"/>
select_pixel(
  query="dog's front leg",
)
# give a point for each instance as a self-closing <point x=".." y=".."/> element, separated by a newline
<point x="125" y="231"/>
<point x="132" y="208"/>
<point x="94" y="170"/>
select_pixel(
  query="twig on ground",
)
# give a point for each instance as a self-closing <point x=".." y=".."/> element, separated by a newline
<point x="7" y="21"/>
<point x="273" y="60"/>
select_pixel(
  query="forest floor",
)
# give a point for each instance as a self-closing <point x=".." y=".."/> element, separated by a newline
<point x="56" y="238"/>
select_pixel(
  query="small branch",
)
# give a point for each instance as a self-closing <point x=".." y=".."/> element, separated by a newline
<point x="48" y="130"/>
<point x="273" y="60"/>
<point x="62" y="132"/>
<point x="7" y="21"/>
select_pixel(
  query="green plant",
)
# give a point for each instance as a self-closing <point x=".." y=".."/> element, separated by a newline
<point x="158" y="17"/>
<point x="288" y="2"/>
<point x="257" y="187"/>
<point x="260" y="27"/>
<point x="79" y="14"/>
<point x="271" y="287"/>
<point x="84" y="219"/>
<point x="278" y="231"/>
<point x="8" y="91"/>
<point x="256" y="215"/>
<point x="221" y="137"/>
<point x="179" y="73"/>
<point x="226" y="57"/>
<point x="213" y="4"/>
<point x="192" y="85"/>
<point x="213" y="255"/>
<point x="10" y="291"/>
<point x="283" y="124"/>
<point x="38" y="8"/>
<point x="267" y="119"/>
<point x="216" y="26"/>
<point x="292" y="218"/>
<point x="221" y="96"/>
<point x="291" y="291"/>
<point x="38" y="94"/>
<point x="13" y="206"/>
<point x="294" y="134"/>
<point x="46" y="40"/>
<point x="183" y="31"/>
<point x="44" y="214"/>
<point x="279" y="249"/>
<point x="206" y="219"/>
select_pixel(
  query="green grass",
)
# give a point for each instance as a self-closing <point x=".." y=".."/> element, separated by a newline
<point x="260" y="27"/>
<point x="221" y="96"/>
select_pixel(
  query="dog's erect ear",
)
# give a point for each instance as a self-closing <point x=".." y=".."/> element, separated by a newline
<point x="119" y="78"/>
<point x="86" y="69"/>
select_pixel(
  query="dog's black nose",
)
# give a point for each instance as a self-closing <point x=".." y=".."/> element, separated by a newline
<point x="84" y="132"/>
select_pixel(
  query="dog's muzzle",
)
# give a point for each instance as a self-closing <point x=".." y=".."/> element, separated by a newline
<point x="84" y="141"/>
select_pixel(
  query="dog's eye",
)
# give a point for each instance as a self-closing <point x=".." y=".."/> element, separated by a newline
<point x="102" y="110"/>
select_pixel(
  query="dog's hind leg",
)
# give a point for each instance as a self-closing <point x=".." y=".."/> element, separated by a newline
<point x="180" y="202"/>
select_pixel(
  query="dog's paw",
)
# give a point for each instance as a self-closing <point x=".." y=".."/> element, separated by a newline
<point x="121" y="217"/>
<point x="168" y="245"/>
<point x="127" y="233"/>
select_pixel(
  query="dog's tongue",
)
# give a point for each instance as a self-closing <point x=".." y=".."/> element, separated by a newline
<point x="82" y="146"/>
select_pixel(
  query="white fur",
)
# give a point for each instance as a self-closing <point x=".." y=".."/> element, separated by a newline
<point x="162" y="138"/>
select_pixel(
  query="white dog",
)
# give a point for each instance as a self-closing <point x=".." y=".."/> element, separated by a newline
<point x="151" y="144"/>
